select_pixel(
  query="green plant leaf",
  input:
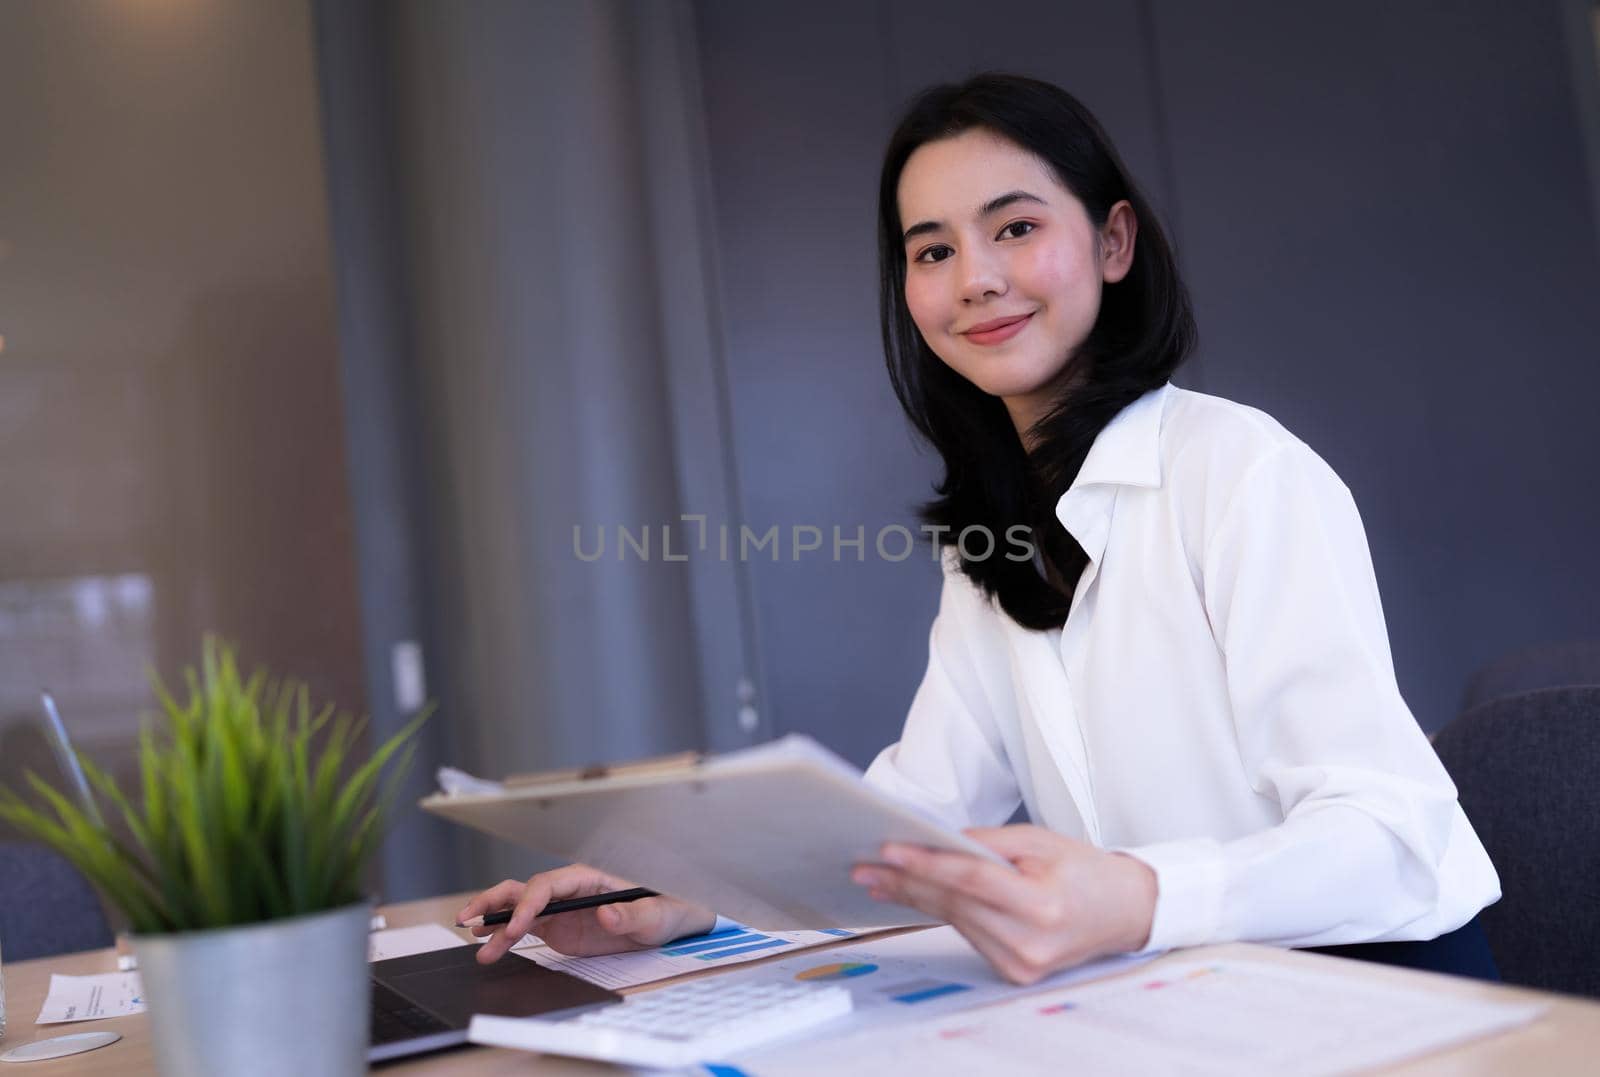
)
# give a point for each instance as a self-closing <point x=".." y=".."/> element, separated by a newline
<point x="253" y="804"/>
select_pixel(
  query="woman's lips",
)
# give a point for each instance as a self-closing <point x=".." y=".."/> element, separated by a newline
<point x="998" y="331"/>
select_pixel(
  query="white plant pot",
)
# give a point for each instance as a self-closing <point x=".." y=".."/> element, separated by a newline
<point x="282" y="997"/>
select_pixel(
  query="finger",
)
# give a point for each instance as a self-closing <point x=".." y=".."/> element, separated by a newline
<point x="1019" y="960"/>
<point x="1012" y="945"/>
<point x="645" y="920"/>
<point x="574" y="880"/>
<point x="892" y="884"/>
<point x="946" y="904"/>
<point x="500" y="896"/>
<point x="624" y="926"/>
<point x="981" y="927"/>
<point x="650" y="921"/>
<point x="978" y="878"/>
<point x="1024" y="841"/>
<point x="535" y="896"/>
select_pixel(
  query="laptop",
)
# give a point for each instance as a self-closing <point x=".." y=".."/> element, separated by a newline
<point x="423" y="1002"/>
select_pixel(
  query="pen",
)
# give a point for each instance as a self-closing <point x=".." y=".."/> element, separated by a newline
<point x="567" y="905"/>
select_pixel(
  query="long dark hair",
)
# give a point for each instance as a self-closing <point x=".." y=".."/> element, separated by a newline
<point x="1144" y="330"/>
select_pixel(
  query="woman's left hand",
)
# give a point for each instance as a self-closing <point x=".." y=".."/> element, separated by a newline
<point x="1066" y="902"/>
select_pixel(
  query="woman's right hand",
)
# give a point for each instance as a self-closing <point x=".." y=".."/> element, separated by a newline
<point x="609" y="929"/>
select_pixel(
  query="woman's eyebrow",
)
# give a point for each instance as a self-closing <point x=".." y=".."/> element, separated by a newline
<point x="994" y="205"/>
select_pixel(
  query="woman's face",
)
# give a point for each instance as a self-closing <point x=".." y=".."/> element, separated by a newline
<point x="1004" y="267"/>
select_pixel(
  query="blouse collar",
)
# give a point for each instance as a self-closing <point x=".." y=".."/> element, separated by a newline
<point x="1126" y="453"/>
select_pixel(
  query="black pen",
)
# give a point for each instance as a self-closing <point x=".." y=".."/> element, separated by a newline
<point x="568" y="905"/>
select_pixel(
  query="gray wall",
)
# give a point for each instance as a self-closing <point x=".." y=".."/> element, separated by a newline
<point x="1388" y="228"/>
<point x="627" y="273"/>
<point x="171" y="459"/>
<point x="798" y="107"/>
<point x="1384" y="217"/>
<point x="529" y="345"/>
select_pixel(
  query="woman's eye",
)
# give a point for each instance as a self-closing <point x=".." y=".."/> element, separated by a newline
<point x="934" y="254"/>
<point x="1016" y="229"/>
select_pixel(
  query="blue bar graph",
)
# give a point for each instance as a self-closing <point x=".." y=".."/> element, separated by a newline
<point x="696" y="943"/>
<point x="715" y="944"/>
<point x="767" y="945"/>
<point x="931" y="992"/>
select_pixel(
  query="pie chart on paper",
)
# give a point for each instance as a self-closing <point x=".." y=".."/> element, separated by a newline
<point x="843" y="970"/>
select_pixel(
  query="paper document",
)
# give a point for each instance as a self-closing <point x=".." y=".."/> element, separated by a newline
<point x="765" y="835"/>
<point x="405" y="941"/>
<point x="88" y="998"/>
<point x="1223" y="1017"/>
<point x="694" y="954"/>
<point x="915" y="976"/>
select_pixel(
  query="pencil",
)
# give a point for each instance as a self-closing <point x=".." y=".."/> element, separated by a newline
<point x="567" y="905"/>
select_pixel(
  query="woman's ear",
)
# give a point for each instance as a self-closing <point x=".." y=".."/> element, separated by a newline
<point x="1116" y="242"/>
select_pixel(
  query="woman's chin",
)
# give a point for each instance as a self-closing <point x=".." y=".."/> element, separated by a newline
<point x="1017" y="386"/>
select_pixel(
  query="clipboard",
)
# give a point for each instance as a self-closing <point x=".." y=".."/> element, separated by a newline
<point x="766" y="835"/>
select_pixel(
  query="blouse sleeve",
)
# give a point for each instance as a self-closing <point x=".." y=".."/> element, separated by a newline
<point x="1368" y="810"/>
<point x="950" y="762"/>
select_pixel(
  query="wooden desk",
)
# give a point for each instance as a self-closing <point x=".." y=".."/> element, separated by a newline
<point x="1565" y="1041"/>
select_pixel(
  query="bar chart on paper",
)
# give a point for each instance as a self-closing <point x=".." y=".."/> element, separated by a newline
<point x="895" y="985"/>
<point x="694" y="954"/>
<point x="1218" y="1018"/>
<point x="910" y="977"/>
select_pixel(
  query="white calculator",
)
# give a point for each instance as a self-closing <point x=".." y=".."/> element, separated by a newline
<point x="700" y="1021"/>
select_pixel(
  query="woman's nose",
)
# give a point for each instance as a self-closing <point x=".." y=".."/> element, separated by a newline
<point x="981" y="277"/>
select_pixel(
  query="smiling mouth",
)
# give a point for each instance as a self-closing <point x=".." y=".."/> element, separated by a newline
<point x="997" y="331"/>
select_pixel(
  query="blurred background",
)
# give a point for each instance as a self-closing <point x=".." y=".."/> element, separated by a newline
<point x="348" y="329"/>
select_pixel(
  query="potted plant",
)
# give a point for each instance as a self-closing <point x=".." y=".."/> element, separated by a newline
<point x="241" y="871"/>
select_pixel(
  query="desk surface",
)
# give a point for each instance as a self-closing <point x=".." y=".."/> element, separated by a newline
<point x="1565" y="1040"/>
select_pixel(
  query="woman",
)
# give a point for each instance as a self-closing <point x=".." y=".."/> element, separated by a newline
<point x="1189" y="684"/>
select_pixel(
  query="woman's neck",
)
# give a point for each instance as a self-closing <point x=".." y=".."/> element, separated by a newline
<point x="1029" y="410"/>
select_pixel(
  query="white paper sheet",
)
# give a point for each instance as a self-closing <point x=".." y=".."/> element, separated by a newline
<point x="684" y="956"/>
<point x="915" y="976"/>
<point x="89" y="998"/>
<point x="1224" y="1017"/>
<point x="404" y="941"/>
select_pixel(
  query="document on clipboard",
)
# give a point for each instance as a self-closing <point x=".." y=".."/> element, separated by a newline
<point x="765" y="835"/>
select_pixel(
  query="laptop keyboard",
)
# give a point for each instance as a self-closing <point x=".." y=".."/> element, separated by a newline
<point x="395" y="1019"/>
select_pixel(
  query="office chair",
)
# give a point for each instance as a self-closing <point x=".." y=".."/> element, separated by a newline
<point x="1551" y="665"/>
<point x="1525" y="768"/>
<point x="46" y="906"/>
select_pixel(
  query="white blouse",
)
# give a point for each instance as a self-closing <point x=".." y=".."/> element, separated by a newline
<point x="1220" y="703"/>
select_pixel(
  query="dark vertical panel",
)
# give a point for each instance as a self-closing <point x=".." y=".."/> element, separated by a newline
<point x="1389" y="238"/>
<point x="672" y="132"/>
<point x="528" y="349"/>
<point x="799" y="102"/>
<point x="543" y="375"/>
<point x="796" y="116"/>
<point x="382" y="416"/>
